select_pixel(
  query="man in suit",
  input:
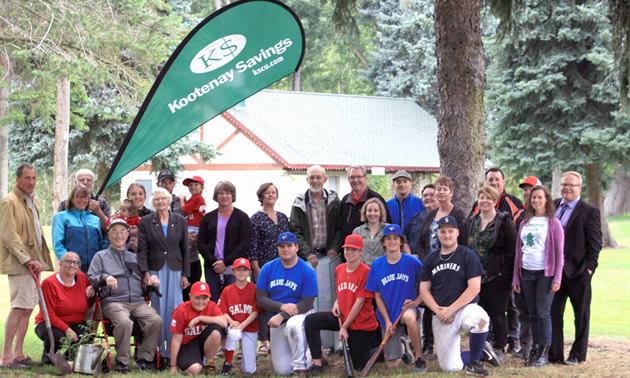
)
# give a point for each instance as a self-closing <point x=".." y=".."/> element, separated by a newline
<point x="582" y="243"/>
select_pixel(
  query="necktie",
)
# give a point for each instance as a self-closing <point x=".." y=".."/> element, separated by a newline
<point x="563" y="207"/>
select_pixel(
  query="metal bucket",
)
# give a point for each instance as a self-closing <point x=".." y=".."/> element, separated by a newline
<point x="88" y="358"/>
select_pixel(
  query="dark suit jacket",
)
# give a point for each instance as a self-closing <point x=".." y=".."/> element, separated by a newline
<point x="582" y="239"/>
<point x="154" y="249"/>
<point x="238" y="237"/>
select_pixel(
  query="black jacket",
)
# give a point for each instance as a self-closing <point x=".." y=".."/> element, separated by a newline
<point x="582" y="239"/>
<point x="238" y="237"/>
<point x="154" y="249"/>
<point x="423" y="246"/>
<point x="500" y="259"/>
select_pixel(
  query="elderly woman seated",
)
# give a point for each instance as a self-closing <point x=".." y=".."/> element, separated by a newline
<point x="66" y="294"/>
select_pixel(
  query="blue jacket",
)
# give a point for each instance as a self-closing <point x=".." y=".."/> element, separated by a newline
<point x="411" y="206"/>
<point x="78" y="231"/>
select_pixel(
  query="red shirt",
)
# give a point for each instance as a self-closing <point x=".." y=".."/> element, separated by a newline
<point x="350" y="287"/>
<point x="184" y="313"/>
<point x="194" y="209"/>
<point x="66" y="304"/>
<point x="239" y="304"/>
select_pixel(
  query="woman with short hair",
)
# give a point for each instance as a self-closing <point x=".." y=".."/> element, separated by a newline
<point x="492" y="235"/>
<point x="225" y="234"/>
<point x="67" y="294"/>
<point x="163" y="252"/>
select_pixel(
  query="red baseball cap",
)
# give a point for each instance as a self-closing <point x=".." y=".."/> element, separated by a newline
<point x="531" y="180"/>
<point x="241" y="262"/>
<point x="353" y="241"/>
<point x="200" y="288"/>
<point x="194" y="178"/>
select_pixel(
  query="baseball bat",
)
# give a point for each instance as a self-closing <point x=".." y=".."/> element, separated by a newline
<point x="372" y="361"/>
<point x="346" y="357"/>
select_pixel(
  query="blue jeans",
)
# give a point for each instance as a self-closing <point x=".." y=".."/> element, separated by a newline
<point x="214" y="282"/>
<point x="536" y="290"/>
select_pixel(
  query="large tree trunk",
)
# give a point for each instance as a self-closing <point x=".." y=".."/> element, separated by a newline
<point x="62" y="121"/>
<point x="617" y="200"/>
<point x="4" y="130"/>
<point x="595" y="197"/>
<point x="461" y="84"/>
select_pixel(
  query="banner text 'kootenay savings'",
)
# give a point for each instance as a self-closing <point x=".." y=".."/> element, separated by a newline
<point x="242" y="66"/>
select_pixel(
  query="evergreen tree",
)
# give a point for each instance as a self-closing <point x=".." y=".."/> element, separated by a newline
<point x="403" y="63"/>
<point x="553" y="95"/>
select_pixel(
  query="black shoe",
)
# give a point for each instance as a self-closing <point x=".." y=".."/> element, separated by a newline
<point x="542" y="357"/>
<point x="489" y="356"/>
<point x="226" y="369"/>
<point x="513" y="346"/>
<point x="121" y="368"/>
<point x="475" y="368"/>
<point x="407" y="356"/>
<point x="523" y="353"/>
<point x="571" y="361"/>
<point x="421" y="366"/>
<point x="144" y="365"/>
<point x="500" y="355"/>
<point x="533" y="354"/>
<point x="316" y="370"/>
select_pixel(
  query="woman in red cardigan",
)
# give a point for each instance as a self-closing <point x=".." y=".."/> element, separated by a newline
<point x="67" y="296"/>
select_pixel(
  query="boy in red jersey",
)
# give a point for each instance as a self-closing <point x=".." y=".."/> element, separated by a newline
<point x="197" y="326"/>
<point x="238" y="303"/>
<point x="354" y="305"/>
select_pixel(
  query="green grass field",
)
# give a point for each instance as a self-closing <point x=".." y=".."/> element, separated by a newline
<point x="609" y="309"/>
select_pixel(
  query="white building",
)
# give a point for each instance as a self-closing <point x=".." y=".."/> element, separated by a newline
<point x="275" y="136"/>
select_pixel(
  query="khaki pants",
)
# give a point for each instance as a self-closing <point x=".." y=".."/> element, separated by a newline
<point x="150" y="324"/>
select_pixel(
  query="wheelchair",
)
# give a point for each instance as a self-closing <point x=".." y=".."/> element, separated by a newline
<point x="108" y="329"/>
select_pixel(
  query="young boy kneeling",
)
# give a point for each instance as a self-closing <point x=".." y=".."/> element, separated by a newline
<point x="238" y="303"/>
<point x="197" y="326"/>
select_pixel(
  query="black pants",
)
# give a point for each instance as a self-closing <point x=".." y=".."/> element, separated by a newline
<point x="578" y="290"/>
<point x="195" y="276"/>
<point x="427" y="327"/>
<point x="513" y="317"/>
<point x="494" y="298"/>
<point x="525" y="334"/>
<point x="42" y="333"/>
<point x="359" y="342"/>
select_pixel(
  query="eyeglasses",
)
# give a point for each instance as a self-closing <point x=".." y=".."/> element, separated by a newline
<point x="71" y="262"/>
<point x="85" y="180"/>
<point x="118" y="232"/>
<point x="157" y="199"/>
<point x="356" y="177"/>
<point x="569" y="185"/>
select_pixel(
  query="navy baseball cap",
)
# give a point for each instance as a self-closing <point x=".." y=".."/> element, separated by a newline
<point x="448" y="221"/>
<point x="392" y="229"/>
<point x="287" y="237"/>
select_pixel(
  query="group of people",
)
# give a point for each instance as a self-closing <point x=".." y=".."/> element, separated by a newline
<point x="415" y="270"/>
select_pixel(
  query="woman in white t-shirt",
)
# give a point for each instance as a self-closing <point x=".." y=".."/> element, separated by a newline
<point x="538" y="268"/>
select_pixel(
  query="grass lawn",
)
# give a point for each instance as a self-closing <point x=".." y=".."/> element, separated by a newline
<point x="609" y="325"/>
